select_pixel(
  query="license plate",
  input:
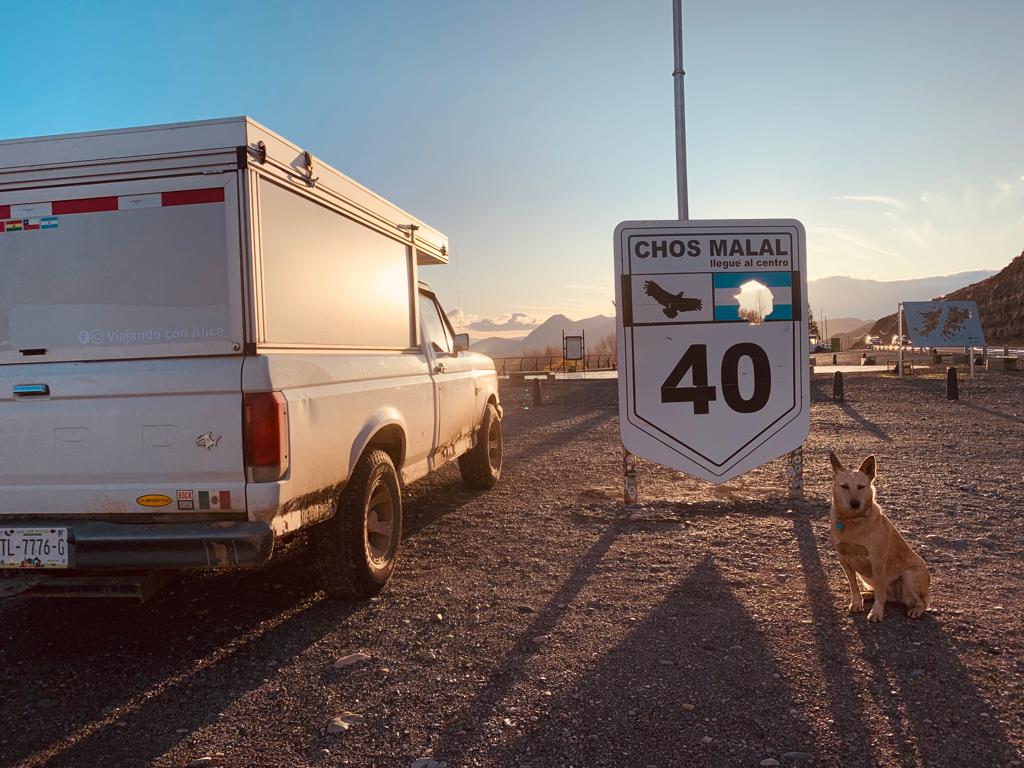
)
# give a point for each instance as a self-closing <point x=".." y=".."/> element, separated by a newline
<point x="34" y="548"/>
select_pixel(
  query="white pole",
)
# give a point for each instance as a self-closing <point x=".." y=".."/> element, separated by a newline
<point x="682" y="195"/>
<point x="899" y="337"/>
<point x="970" y="356"/>
<point x="630" y="485"/>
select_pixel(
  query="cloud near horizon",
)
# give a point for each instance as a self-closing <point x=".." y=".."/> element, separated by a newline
<point x="516" y="321"/>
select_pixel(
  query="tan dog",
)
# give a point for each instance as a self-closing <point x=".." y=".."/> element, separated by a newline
<point x="870" y="548"/>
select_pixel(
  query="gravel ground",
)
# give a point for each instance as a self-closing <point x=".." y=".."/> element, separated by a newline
<point x="541" y="624"/>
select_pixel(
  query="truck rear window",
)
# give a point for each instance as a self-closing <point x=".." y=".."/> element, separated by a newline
<point x="115" y="276"/>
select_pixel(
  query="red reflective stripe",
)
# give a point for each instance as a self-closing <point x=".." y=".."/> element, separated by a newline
<point x="83" y="205"/>
<point x="193" y="196"/>
<point x="99" y="204"/>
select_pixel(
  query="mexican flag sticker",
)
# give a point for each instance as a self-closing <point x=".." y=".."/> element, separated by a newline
<point x="215" y="499"/>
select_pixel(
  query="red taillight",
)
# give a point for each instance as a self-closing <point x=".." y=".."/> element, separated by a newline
<point x="266" y="436"/>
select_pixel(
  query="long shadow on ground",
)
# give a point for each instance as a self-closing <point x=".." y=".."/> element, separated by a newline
<point x="690" y="670"/>
<point x="902" y="654"/>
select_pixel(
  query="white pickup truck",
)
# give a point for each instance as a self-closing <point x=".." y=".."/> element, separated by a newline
<point x="210" y="340"/>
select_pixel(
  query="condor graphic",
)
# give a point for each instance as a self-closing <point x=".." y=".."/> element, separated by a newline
<point x="672" y="303"/>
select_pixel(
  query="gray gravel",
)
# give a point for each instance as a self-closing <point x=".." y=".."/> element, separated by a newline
<point x="706" y="627"/>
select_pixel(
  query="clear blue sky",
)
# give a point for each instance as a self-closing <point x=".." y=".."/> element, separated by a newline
<point x="526" y="130"/>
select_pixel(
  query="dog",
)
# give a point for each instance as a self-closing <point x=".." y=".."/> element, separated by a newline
<point x="870" y="548"/>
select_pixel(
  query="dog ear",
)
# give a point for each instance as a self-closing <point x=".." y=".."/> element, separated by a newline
<point x="868" y="467"/>
<point x="837" y="465"/>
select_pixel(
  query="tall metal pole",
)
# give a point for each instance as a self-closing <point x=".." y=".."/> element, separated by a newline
<point x="631" y="493"/>
<point x="682" y="194"/>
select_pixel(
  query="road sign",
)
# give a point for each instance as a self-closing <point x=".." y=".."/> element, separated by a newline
<point x="712" y="342"/>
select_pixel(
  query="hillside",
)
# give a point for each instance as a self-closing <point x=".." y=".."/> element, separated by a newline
<point x="839" y="325"/>
<point x="1000" y="300"/>
<point x="495" y="346"/>
<point x="853" y="297"/>
<point x="854" y="338"/>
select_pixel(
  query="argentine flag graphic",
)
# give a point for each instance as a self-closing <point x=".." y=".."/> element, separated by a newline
<point x="753" y="296"/>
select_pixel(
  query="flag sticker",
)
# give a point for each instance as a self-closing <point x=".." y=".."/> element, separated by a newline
<point x="740" y="296"/>
<point x="29" y="225"/>
<point x="215" y="500"/>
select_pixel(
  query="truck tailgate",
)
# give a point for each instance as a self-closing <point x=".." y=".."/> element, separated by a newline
<point x="125" y="437"/>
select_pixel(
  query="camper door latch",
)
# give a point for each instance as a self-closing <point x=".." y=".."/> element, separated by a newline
<point x="310" y="179"/>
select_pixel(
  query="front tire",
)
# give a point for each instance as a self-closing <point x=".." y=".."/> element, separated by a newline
<point x="357" y="549"/>
<point x="481" y="465"/>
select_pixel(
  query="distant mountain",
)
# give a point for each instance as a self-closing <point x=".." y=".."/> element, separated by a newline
<point x="839" y="325"/>
<point x="854" y="297"/>
<point x="1000" y="301"/>
<point x="547" y="334"/>
<point x="494" y="346"/>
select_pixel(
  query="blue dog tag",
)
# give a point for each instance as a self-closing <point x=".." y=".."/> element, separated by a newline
<point x="839" y="525"/>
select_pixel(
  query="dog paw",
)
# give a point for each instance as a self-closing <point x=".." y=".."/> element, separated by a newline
<point x="874" y="615"/>
<point x="855" y="607"/>
<point x="916" y="612"/>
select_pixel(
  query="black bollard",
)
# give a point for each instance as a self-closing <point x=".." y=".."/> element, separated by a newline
<point x="952" y="391"/>
<point x="837" y="387"/>
<point x="537" y="395"/>
<point x="835" y="360"/>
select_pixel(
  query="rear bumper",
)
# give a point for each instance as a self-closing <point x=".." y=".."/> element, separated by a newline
<point x="160" y="546"/>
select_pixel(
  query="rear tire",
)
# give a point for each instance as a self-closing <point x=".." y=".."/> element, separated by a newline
<point x="481" y="465"/>
<point x="357" y="549"/>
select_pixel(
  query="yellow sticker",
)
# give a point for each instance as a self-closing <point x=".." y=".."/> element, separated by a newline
<point x="153" y="500"/>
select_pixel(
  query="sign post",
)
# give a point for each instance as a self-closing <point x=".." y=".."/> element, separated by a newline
<point x="631" y="493"/>
<point x="714" y="376"/>
<point x="682" y="194"/>
<point x="899" y="339"/>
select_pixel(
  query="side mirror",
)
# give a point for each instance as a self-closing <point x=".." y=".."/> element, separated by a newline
<point x="461" y="342"/>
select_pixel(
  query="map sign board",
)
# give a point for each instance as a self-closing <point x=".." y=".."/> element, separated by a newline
<point x="711" y="326"/>
<point x="943" y="324"/>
